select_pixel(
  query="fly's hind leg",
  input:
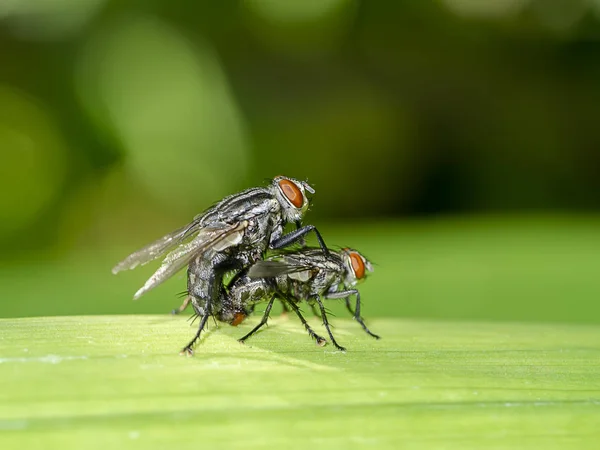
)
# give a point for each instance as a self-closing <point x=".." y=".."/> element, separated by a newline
<point x="205" y="278"/>
<point x="189" y="348"/>
<point x="263" y="321"/>
<point x="319" y="340"/>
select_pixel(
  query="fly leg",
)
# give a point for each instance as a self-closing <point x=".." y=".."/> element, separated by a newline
<point x="205" y="278"/>
<point x="348" y="306"/>
<point x="189" y="349"/>
<point x="314" y="310"/>
<point x="297" y="236"/>
<point x="320" y="341"/>
<point x="355" y="314"/>
<point x="301" y="242"/>
<point x="262" y="322"/>
<point x="286" y="310"/>
<point x="326" y="323"/>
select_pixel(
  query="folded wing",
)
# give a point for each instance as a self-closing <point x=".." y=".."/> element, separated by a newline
<point x="272" y="269"/>
<point x="157" y="248"/>
<point x="216" y="238"/>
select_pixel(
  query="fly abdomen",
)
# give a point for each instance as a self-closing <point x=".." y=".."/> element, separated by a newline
<point x="246" y="292"/>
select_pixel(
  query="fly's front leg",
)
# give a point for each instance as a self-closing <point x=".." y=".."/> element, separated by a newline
<point x="320" y="341"/>
<point x="348" y="306"/>
<point x="326" y="323"/>
<point x="296" y="236"/>
<point x="355" y="314"/>
<point x="263" y="321"/>
<point x="302" y="241"/>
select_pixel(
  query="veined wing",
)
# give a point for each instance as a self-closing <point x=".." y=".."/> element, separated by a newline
<point x="298" y="264"/>
<point x="216" y="238"/>
<point x="272" y="269"/>
<point x="157" y="248"/>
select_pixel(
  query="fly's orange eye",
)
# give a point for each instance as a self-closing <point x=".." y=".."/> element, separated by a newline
<point x="238" y="318"/>
<point x="357" y="265"/>
<point x="292" y="192"/>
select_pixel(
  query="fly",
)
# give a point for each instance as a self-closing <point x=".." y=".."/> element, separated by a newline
<point x="231" y="235"/>
<point x="305" y="275"/>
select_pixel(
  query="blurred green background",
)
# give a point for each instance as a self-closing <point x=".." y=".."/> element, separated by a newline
<point x="454" y="142"/>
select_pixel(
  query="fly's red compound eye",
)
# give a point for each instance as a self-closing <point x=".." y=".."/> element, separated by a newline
<point x="292" y="192"/>
<point x="357" y="265"/>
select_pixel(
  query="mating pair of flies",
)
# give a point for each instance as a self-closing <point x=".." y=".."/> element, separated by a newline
<point x="232" y="237"/>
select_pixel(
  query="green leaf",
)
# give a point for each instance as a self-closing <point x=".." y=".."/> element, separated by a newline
<point x="118" y="381"/>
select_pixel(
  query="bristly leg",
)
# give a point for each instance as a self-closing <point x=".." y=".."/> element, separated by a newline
<point x="326" y="323"/>
<point x="297" y="236"/>
<point x="314" y="310"/>
<point x="189" y="349"/>
<point x="320" y="341"/>
<point x="263" y="321"/>
<point x="348" y="306"/>
<point x="355" y="314"/>
<point x="213" y="282"/>
<point x="359" y="319"/>
<point x="364" y="327"/>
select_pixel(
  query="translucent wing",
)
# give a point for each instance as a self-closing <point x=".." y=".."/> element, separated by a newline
<point x="272" y="269"/>
<point x="269" y="269"/>
<point x="157" y="248"/>
<point x="297" y="264"/>
<point x="216" y="238"/>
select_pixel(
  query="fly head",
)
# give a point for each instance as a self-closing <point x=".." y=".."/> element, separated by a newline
<point x="357" y="266"/>
<point x="291" y="195"/>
